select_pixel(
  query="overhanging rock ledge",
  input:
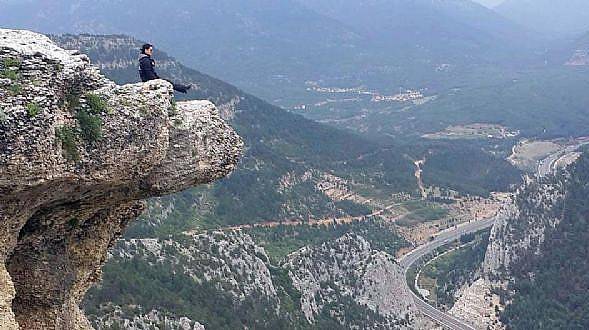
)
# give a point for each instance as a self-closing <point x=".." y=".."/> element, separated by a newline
<point x="78" y="155"/>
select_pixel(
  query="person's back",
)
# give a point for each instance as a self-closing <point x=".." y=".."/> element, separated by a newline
<point x="147" y="69"/>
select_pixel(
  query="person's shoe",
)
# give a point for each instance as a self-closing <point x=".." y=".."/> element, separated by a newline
<point x="184" y="89"/>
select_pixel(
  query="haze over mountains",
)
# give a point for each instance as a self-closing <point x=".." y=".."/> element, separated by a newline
<point x="230" y="39"/>
<point x="548" y="16"/>
<point x="270" y="48"/>
<point x="471" y="64"/>
<point x="458" y="25"/>
<point x="489" y="3"/>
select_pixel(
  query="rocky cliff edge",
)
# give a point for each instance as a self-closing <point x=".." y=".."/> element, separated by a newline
<point x="78" y="155"/>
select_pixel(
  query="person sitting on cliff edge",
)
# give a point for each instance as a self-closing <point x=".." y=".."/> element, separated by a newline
<point x="147" y="69"/>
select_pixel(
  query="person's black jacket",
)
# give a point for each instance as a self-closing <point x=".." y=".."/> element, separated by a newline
<point x="147" y="68"/>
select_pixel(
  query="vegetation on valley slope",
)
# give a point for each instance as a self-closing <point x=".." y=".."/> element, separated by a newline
<point x="551" y="289"/>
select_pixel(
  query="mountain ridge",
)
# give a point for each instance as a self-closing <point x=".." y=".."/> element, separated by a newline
<point x="271" y="48"/>
<point x="279" y="145"/>
<point x="564" y="17"/>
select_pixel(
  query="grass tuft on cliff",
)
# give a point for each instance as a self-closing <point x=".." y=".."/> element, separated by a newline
<point x="68" y="137"/>
<point x="90" y="126"/>
<point x="96" y="103"/>
<point x="33" y="109"/>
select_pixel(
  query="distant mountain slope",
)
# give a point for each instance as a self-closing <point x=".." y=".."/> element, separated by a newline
<point x="442" y="28"/>
<point x="578" y="53"/>
<point x="287" y="155"/>
<point x="564" y="16"/>
<point x="489" y="3"/>
<point x="235" y="40"/>
<point x="584" y="40"/>
<point x="271" y="48"/>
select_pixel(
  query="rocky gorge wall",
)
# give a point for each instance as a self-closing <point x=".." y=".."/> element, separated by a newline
<point x="520" y="228"/>
<point x="78" y="155"/>
<point x="516" y="238"/>
<point x="344" y="283"/>
<point x="349" y="268"/>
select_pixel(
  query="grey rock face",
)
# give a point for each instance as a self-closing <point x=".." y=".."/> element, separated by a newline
<point x="521" y="225"/>
<point x="229" y="262"/>
<point x="78" y="154"/>
<point x="152" y="320"/>
<point x="348" y="269"/>
<point x="520" y="229"/>
<point x="231" y="258"/>
<point x="344" y="280"/>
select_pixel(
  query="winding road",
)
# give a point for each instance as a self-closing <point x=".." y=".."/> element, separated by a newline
<point x="441" y="239"/>
<point x="546" y="166"/>
<point x="561" y="158"/>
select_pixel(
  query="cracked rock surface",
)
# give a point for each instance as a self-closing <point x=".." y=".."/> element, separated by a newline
<point x="349" y="270"/>
<point x="78" y="155"/>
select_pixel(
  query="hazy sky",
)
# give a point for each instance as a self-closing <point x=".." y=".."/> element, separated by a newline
<point x="489" y="3"/>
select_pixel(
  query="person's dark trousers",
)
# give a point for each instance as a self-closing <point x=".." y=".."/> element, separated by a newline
<point x="179" y="87"/>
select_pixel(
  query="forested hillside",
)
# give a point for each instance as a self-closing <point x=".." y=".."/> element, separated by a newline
<point x="551" y="288"/>
<point x="226" y="280"/>
<point x="287" y="156"/>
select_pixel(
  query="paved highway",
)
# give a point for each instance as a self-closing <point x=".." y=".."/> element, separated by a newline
<point x="549" y="164"/>
<point x="545" y="167"/>
<point x="445" y="237"/>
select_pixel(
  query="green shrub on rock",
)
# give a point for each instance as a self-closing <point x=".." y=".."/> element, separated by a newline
<point x="10" y="62"/>
<point x="69" y="138"/>
<point x="9" y="74"/>
<point x="10" y="68"/>
<point x="90" y="126"/>
<point x="72" y="101"/>
<point x="173" y="110"/>
<point x="33" y="109"/>
<point x="15" y="89"/>
<point x="89" y="121"/>
<point x="96" y="103"/>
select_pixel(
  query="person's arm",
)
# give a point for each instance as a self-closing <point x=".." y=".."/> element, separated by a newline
<point x="152" y="62"/>
<point x="147" y="68"/>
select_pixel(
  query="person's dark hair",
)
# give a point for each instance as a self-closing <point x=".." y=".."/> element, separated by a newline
<point x="145" y="47"/>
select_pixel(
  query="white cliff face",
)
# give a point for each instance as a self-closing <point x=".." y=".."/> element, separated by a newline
<point x="521" y="225"/>
<point x="348" y="268"/>
<point x="152" y="320"/>
<point x="78" y="155"/>
<point x="518" y="233"/>
<point x="497" y="257"/>
<point x="331" y="279"/>
<point x="229" y="258"/>
<point x="479" y="305"/>
<point x="379" y="289"/>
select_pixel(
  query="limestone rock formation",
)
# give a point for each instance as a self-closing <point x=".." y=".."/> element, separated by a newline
<point x="227" y="273"/>
<point x="78" y="154"/>
<point x="522" y="223"/>
<point x="479" y="304"/>
<point x="518" y="233"/>
<point x="152" y="320"/>
<point x="343" y="283"/>
<point x="231" y="258"/>
<point x="349" y="270"/>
